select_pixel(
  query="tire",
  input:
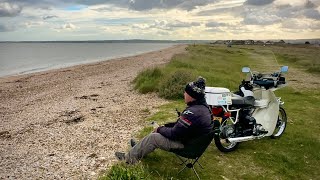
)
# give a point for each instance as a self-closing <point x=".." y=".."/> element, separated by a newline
<point x="281" y="124"/>
<point x="223" y="145"/>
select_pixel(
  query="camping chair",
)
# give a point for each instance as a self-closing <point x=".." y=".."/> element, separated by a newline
<point x="193" y="151"/>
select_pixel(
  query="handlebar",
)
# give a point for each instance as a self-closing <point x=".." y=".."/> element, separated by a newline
<point x="266" y="80"/>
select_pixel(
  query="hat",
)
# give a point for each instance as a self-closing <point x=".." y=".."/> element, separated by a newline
<point x="196" y="89"/>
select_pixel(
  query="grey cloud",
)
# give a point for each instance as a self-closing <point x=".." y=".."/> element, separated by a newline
<point x="215" y="24"/>
<point x="310" y="5"/>
<point x="6" y="28"/>
<point x="9" y="9"/>
<point x="312" y="14"/>
<point x="297" y="25"/>
<point x="237" y="10"/>
<point x="138" y="5"/>
<point x="141" y="5"/>
<point x="288" y="12"/>
<point x="261" y="19"/>
<point x="49" y="17"/>
<point x="258" y="2"/>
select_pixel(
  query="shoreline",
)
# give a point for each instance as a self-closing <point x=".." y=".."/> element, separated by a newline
<point x="67" y="122"/>
<point x="80" y="61"/>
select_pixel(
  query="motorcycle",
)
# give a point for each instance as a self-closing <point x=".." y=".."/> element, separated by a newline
<point x="253" y="112"/>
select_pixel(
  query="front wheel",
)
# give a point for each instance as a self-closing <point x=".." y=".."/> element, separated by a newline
<point x="281" y="124"/>
<point x="224" y="145"/>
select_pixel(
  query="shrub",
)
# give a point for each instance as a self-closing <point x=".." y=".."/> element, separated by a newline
<point x="172" y="86"/>
<point x="147" y="81"/>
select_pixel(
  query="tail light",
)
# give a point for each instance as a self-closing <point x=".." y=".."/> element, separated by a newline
<point x="216" y="111"/>
<point x="227" y="114"/>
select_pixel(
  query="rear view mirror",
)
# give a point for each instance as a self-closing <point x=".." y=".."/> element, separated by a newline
<point x="284" y="69"/>
<point x="245" y="69"/>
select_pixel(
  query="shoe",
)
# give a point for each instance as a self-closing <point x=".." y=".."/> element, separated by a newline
<point x="120" y="155"/>
<point x="132" y="142"/>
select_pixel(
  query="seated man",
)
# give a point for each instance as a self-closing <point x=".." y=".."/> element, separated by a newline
<point x="193" y="122"/>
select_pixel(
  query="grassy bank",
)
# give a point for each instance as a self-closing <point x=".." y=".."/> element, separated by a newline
<point x="294" y="156"/>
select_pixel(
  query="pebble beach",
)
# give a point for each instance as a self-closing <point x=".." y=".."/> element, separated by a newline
<point x="67" y="123"/>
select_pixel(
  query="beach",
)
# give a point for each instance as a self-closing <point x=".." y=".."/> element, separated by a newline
<point x="67" y="123"/>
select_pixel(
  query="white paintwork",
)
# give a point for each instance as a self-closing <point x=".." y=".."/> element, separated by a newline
<point x="218" y="96"/>
<point x="267" y="116"/>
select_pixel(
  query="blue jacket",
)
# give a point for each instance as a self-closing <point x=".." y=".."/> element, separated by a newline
<point x="193" y="122"/>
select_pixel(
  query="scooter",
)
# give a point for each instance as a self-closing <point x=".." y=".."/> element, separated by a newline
<point x="253" y="112"/>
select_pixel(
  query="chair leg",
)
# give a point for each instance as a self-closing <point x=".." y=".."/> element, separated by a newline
<point x="195" y="172"/>
<point x="190" y="165"/>
<point x="200" y="165"/>
<point x="182" y="169"/>
<point x="182" y="160"/>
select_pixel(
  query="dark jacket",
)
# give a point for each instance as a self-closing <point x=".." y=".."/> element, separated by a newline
<point x="193" y="122"/>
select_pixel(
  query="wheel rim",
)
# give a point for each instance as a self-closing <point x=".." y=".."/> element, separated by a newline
<point x="281" y="123"/>
<point x="227" y="144"/>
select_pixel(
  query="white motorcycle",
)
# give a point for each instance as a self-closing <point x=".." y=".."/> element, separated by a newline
<point x="251" y="113"/>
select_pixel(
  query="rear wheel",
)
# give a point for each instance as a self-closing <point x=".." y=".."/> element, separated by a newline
<point x="281" y="124"/>
<point x="227" y="129"/>
<point x="224" y="145"/>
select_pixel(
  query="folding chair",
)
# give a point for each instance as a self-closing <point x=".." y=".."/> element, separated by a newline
<point x="193" y="151"/>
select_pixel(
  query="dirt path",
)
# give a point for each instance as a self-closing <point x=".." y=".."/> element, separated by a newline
<point x="67" y="123"/>
<point x="298" y="79"/>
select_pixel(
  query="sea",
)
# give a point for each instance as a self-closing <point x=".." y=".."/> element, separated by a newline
<point x="18" y="58"/>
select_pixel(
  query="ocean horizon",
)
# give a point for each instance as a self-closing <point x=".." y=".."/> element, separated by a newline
<point x="17" y="58"/>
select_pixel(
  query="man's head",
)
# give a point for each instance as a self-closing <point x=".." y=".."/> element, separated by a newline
<point x="195" y="90"/>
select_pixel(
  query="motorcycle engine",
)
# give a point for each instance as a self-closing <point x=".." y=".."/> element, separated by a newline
<point x="227" y="131"/>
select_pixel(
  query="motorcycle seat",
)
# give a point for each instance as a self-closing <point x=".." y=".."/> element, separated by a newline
<point x="243" y="101"/>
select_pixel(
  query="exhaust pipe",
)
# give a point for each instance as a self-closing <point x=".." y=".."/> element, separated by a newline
<point x="247" y="138"/>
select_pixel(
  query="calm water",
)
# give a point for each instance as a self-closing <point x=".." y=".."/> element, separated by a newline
<point x="22" y="58"/>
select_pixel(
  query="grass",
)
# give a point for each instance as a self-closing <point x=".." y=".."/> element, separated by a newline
<point x="294" y="156"/>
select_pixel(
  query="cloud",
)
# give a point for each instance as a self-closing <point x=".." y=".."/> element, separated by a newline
<point x="295" y="24"/>
<point x="214" y="30"/>
<point x="260" y="18"/>
<point x="49" y="17"/>
<point x="67" y="26"/>
<point x="215" y="24"/>
<point x="312" y="14"/>
<point x="9" y="10"/>
<point x="165" y="25"/>
<point x="6" y="28"/>
<point x="141" y="5"/>
<point x="236" y="11"/>
<point x="309" y="5"/>
<point x="258" y="2"/>
<point x="180" y="24"/>
<point x="33" y="24"/>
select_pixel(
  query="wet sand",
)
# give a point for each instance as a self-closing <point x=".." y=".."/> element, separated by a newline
<point x="67" y="123"/>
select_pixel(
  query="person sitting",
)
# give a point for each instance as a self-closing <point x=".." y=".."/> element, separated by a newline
<point x="193" y="122"/>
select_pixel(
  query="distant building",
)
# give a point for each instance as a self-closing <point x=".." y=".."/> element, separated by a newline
<point x="249" y="42"/>
<point x="219" y="42"/>
<point x="238" y="42"/>
<point x="280" y="42"/>
<point x="269" y="42"/>
<point x="259" y="42"/>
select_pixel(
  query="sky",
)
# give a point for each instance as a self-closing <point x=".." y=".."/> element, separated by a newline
<point x="59" y="20"/>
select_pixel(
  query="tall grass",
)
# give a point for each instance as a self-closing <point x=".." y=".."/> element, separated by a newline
<point x="219" y="65"/>
<point x="294" y="156"/>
